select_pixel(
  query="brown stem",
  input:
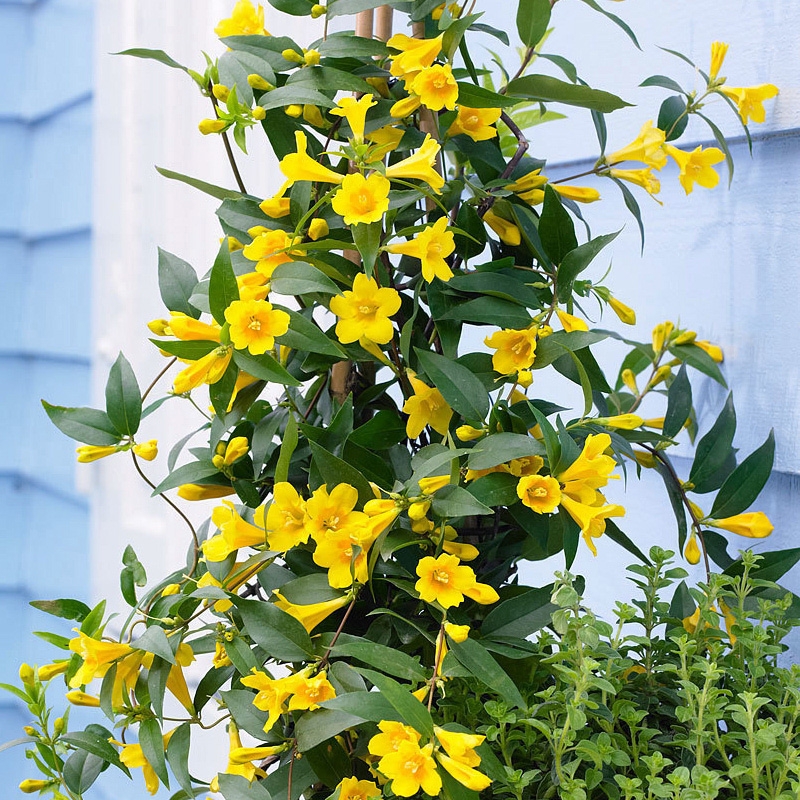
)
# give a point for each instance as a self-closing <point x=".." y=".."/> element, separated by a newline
<point x="338" y="633"/>
<point x="526" y="59"/>
<point x="236" y="174"/>
<point x="158" y="378"/>
<point x="291" y="771"/>
<point x="315" y="398"/>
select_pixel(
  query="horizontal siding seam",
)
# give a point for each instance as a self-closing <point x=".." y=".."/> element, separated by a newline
<point x="20" y="480"/>
<point x="38" y="238"/>
<point x="48" y="114"/>
<point x="58" y="358"/>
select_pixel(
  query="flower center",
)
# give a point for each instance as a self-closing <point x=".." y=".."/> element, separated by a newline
<point x="255" y="324"/>
<point x="411" y="766"/>
<point x="441" y="576"/>
<point x="330" y="523"/>
<point x="367" y="309"/>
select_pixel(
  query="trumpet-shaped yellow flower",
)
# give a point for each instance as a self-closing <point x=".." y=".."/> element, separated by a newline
<point x="541" y="493"/>
<point x="93" y="452"/>
<point x="640" y="177"/>
<point x="208" y="369"/>
<point x="411" y="768"/>
<point x="354" y="789"/>
<point x="355" y="112"/>
<point x="647" y="147"/>
<point x="718" y="52"/>
<point x="365" y="311"/>
<point x="240" y="759"/>
<point x="446" y="581"/>
<point x="132" y="756"/>
<point x="245" y="20"/>
<point x="461" y="759"/>
<point x="514" y="350"/>
<point x="580" y="194"/>
<point x="477" y="123"/>
<point x="362" y="200"/>
<point x="530" y="187"/>
<point x="97" y="656"/>
<point x="268" y="249"/>
<point x="750" y="100"/>
<point x="392" y="735"/>
<point x="187" y="328"/>
<point x="255" y="324"/>
<point x="329" y="513"/>
<point x="414" y="56"/>
<point x="420" y="166"/>
<point x="697" y="166"/>
<point x="431" y="246"/>
<point x="286" y="519"/>
<point x="508" y="232"/>
<point x="436" y="87"/>
<point x="300" y="166"/>
<point x="308" y="691"/>
<point x="235" y="532"/>
<point x="311" y="614"/>
<point x="197" y="491"/>
<point x="271" y="695"/>
<point x="344" y="554"/>
<point x="753" y="524"/>
<point x="426" y="407"/>
<point x="405" y="107"/>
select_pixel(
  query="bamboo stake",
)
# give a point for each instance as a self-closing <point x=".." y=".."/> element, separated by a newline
<point x="383" y="23"/>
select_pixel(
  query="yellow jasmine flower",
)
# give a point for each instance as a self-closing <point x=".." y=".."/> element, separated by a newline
<point x="365" y="311"/>
<point x="431" y="246"/>
<point x="541" y="493"/>
<point x="308" y="691"/>
<point x="646" y="147"/>
<point x="253" y="286"/>
<point x="692" y="550"/>
<point x="580" y="194"/>
<point x="426" y="407"/>
<point x="132" y="756"/>
<point x="713" y="350"/>
<point x="328" y="513"/>
<point x="392" y="735"/>
<point x="254" y="324"/>
<point x="591" y="518"/>
<point x="411" y="768"/>
<point x="336" y="552"/>
<point x="626" y="422"/>
<point x="206" y="126"/>
<point x="436" y="87"/>
<point x="97" y="656"/>
<point x="354" y="789"/>
<point x="276" y="206"/>
<point x="311" y="614"/>
<point x="515" y="349"/>
<point x="187" y="329"/>
<point x="640" y="177"/>
<point x="318" y="229"/>
<point x="446" y="581"/>
<point x="355" y="112"/>
<point x="286" y="519"/>
<point x="625" y="313"/>
<point x="300" y="166"/>
<point x="240" y="758"/>
<point x="571" y="322"/>
<point x="197" y="491"/>
<point x="255" y="81"/>
<point x="271" y="695"/>
<point x="750" y="100"/>
<point x="458" y="633"/>
<point x="696" y="167"/>
<point x="405" y="107"/>
<point x="50" y="671"/>
<point x="147" y="450"/>
<point x="469" y="434"/>
<point x="268" y="248"/>
<point x="530" y="187"/>
<point x="718" y="53"/>
<point x="386" y="139"/>
<point x="232" y="451"/>
<point x="245" y="20"/>
<point x="79" y="698"/>
<point x="661" y="335"/>
<point x="362" y="199"/>
<point x="477" y="123"/>
<point x="92" y="452"/>
<point x="507" y="231"/>
<point x="461" y="758"/>
<point x="235" y="532"/>
<point x="453" y="8"/>
<point x="208" y="369"/>
<point x="753" y="524"/>
<point x="220" y="656"/>
<point x="414" y="56"/>
<point x="420" y="166"/>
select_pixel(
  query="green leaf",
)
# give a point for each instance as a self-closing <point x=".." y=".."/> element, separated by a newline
<point x="264" y="367"/>
<point x="299" y="278"/>
<point x="370" y="706"/>
<point x="502" y="447"/>
<point x="383" y="431"/>
<point x="343" y="44"/>
<point x="772" y="566"/>
<point x="94" y="740"/>
<point x="520" y="616"/>
<point x="714" y="449"/>
<point x="722" y="142"/>
<point x="208" y="188"/>
<point x="676" y="500"/>
<point x="88" y="425"/>
<point x="682" y="604"/>
<point x="473" y="96"/>
<point x="696" y="357"/>
<point x="288" y="446"/>
<point x="327" y="79"/>
<point x="462" y="391"/>
<point x="191" y="350"/>
<point x="494" y="490"/>
<point x="618" y="537"/>
<point x="292" y="94"/>
<point x="367" y="239"/>
<point x="177" y="281"/>
<point x="222" y="286"/>
<point x="316" y="727"/>
<point x="329" y="760"/>
<point x="410" y="709"/>
<point x="453" y="501"/>
<point x="152" y="742"/>
<point x="194" y="472"/>
<point x="157" y="675"/>
<point x="673" y="118"/>
<point x="246" y="716"/>
<point x="123" y="398"/>
<point x="152" y="55"/>
<point x="236" y="787"/>
<point x="679" y="404"/>
<point x="66" y="609"/>
<point x="155" y="641"/>
<point x="337" y="8"/>
<point x="389" y="659"/>
<point x="615" y="19"/>
<point x="664" y="82"/>
<point x="546" y="89"/>
<point x="528" y="224"/>
<point x="554" y="346"/>
<point x="556" y="229"/>
<point x="744" y="484"/>
<point x="477" y="660"/>
<point x="334" y="471"/>
<point x="278" y="633"/>
<point x="577" y="260"/>
<point x="533" y="17"/>
<point x="81" y="770"/>
<point x="277" y="783"/>
<point x="487" y="310"/>
<point x="297" y="8"/>
<point x="304" y="335"/>
<point x="178" y="756"/>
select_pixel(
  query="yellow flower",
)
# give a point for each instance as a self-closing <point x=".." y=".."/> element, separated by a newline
<point x="211" y="491"/>
<point x="571" y="322"/>
<point x="208" y="369"/>
<point x="646" y="147"/>
<point x="640" y="177"/>
<point x="753" y="524"/>
<point x="300" y="166"/>
<point x="750" y="100"/>
<point x="696" y="167"/>
<point x="50" y="671"/>
<point x="692" y="550"/>
<point x="262" y="84"/>
<point x="431" y="246"/>
<point x="312" y="614"/>
<point x="385" y="140"/>
<point x="718" y="53"/>
<point x="97" y="656"/>
<point x="461" y="758"/>
<point x="354" y="789"/>
<point x="276" y="206"/>
<point x="132" y="756"/>
<point x="426" y="407"/>
<point x="328" y="513"/>
<point x="255" y="324"/>
<point x="308" y="691"/>
<point x="336" y="551"/>
<point x="318" y="229"/>
<point x="187" y="328"/>
<point x="580" y="194"/>
<point x="147" y="450"/>
<point x="625" y="313"/>
<point x="405" y="107"/>
<point x="91" y="452"/>
<point x="530" y="187"/>
<point x="365" y="311"/>
<point x="237" y="447"/>
<point x="392" y="735"/>
<point x="453" y="8"/>
<point x="271" y="695"/>
<point x="79" y="698"/>
<point x="446" y="581"/>
<point x="355" y="112"/>
<point x="541" y="493"/>
<point x="286" y="519"/>
<point x="625" y="422"/>
<point x="411" y="768"/>
<point x="420" y="166"/>
<point x="206" y="126"/>
<point x="235" y="532"/>
<point x="268" y="249"/>
<point x="507" y="231"/>
<point x="713" y="350"/>
<point x="515" y="349"/>
<point x="469" y="434"/>
<point x="415" y="54"/>
<point x="245" y="20"/>
<point x="591" y="518"/>
<point x="362" y="199"/>
<point x="436" y="87"/>
<point x="458" y="633"/>
<point x="477" y="123"/>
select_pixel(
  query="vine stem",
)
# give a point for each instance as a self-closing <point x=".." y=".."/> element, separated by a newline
<point x="158" y="378"/>
<point x="227" y="142"/>
<point x="338" y="633"/>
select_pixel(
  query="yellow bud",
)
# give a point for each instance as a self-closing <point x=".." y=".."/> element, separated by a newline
<point x="661" y="334"/>
<point x="160" y="327"/>
<point x="221" y="92"/>
<point x="207" y="126"/>
<point x="645" y="459"/>
<point x="147" y="450"/>
<point x="687" y="337"/>
<point x="468" y="434"/>
<point x="317" y="10"/>
<point x="170" y="588"/>
<point x="293" y="110"/>
<point x="625" y="313"/>
<point x="524" y="378"/>
<point x="313" y="116"/>
<point x="27" y="675"/>
<point x="458" y="633"/>
<point x="433" y="484"/>
<point x="198" y="491"/>
<point x="318" y="229"/>
<point x="753" y="524"/>
<point x="626" y="422"/>
<point x="697" y="511"/>
<point x="257" y="82"/>
<point x="58" y="726"/>
<point x="31" y="785"/>
<point x="90" y="452"/>
<point x="259" y="113"/>
<point x="692" y="550"/>
<point x="49" y="671"/>
<point x="29" y="730"/>
<point x="79" y="698"/>
<point x="416" y="511"/>
<point x="715" y="351"/>
<point x="293" y="56"/>
<point x="629" y="379"/>
<point x="218" y="461"/>
<point x="661" y="374"/>
<point x="653" y="422"/>
<point x="381" y="85"/>
<point x="237" y="447"/>
<point x="233" y="244"/>
<point x="311" y="58"/>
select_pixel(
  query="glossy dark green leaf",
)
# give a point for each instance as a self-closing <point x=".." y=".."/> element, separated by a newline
<point x="176" y="282"/>
<point x="236" y="787"/>
<point x="462" y="391"/>
<point x="294" y="94"/>
<point x="521" y="615"/>
<point x="123" y="398"/>
<point x="533" y="17"/>
<point x="546" y="89"/>
<point x="66" y="609"/>
<point x="745" y="483"/>
<point x="329" y="761"/>
<point x="495" y="489"/>
<point x="343" y="44"/>
<point x="454" y="501"/>
<point x="278" y="633"/>
<point x="297" y="8"/>
<point x="473" y="96"/>
<point x="410" y="709"/>
<point x="372" y="706"/>
<point x="696" y="357"/>
<point x="304" y="335"/>
<point x="191" y="350"/>
<point x="577" y="260"/>
<point x="81" y="770"/>
<point x="288" y="445"/>
<point x="615" y="19"/>
<point x="277" y="782"/>
<point x="499" y="448"/>
<point x="221" y="392"/>
<point x="194" y="472"/>
<point x="557" y="344"/>
<point x="94" y="740"/>
<point x="87" y="425"/>
<point x="616" y="535"/>
<point x="152" y="55"/>
<point x="299" y="278"/>
<point x="472" y="655"/>
<point x="178" y="756"/>
<point x="488" y="310"/>
<point x="384" y="430"/>
<point x="714" y="449"/>
<point x="556" y="229"/>
<point x="679" y="404"/>
<point x="247" y="717"/>
<point x="673" y="118"/>
<point x="676" y="501"/>
<point x="468" y="220"/>
<point x="157" y="675"/>
<point x="222" y="286"/>
<point x="264" y="367"/>
<point x="367" y="238"/>
<point x="528" y="223"/>
<point x="506" y="285"/>
<point x="333" y="471"/>
<point x="207" y="188"/>
<point x="682" y="604"/>
<point x="327" y="79"/>
<point x="772" y="566"/>
<point x="155" y="641"/>
<point x="664" y="82"/>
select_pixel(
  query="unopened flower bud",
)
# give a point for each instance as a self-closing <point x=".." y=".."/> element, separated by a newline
<point x="715" y="351"/>
<point x="49" y="671"/>
<point x="236" y="448"/>
<point x="207" y="126"/>
<point x="160" y="327"/>
<point x="293" y="56"/>
<point x="58" y="726"/>
<point x="318" y="229"/>
<point x="147" y="450"/>
<point x="645" y="459"/>
<point x="687" y="337"/>
<point x="31" y="785"/>
<point x="381" y="85"/>
<point x="661" y="334"/>
<point x="79" y="698"/>
<point x="661" y="374"/>
<point x="27" y="675"/>
<point x="433" y="484"/>
<point x="170" y="588"/>
<point x="218" y="461"/>
<point x="311" y="58"/>
<point x="625" y="313"/>
<point x="257" y="82"/>
<point x="653" y="422"/>
<point x="692" y="550"/>
<point x="629" y="379"/>
<point x="524" y="378"/>
<point x="317" y="10"/>
<point x="416" y="511"/>
<point x="29" y="730"/>
<point x="293" y="110"/>
<point x="625" y="422"/>
<point x="221" y="92"/>
<point x="466" y="433"/>
<point x="458" y="633"/>
<point x="259" y="113"/>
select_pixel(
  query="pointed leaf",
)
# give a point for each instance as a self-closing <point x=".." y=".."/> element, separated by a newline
<point x="177" y="281"/>
<point x="123" y="398"/>
<point x="577" y="260"/>
<point x="152" y="742"/>
<point x="745" y="483"/>
<point x="410" y="709"/>
<point x="546" y="89"/>
<point x="533" y="17"/>
<point x="155" y="641"/>
<point x="218" y="192"/>
<point x="556" y="228"/>
<point x="87" y="425"/>
<point x="222" y="286"/>
<point x="472" y="655"/>
<point x="264" y="367"/>
<point x="714" y="449"/>
<point x="278" y="633"/>
<point x="462" y="391"/>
